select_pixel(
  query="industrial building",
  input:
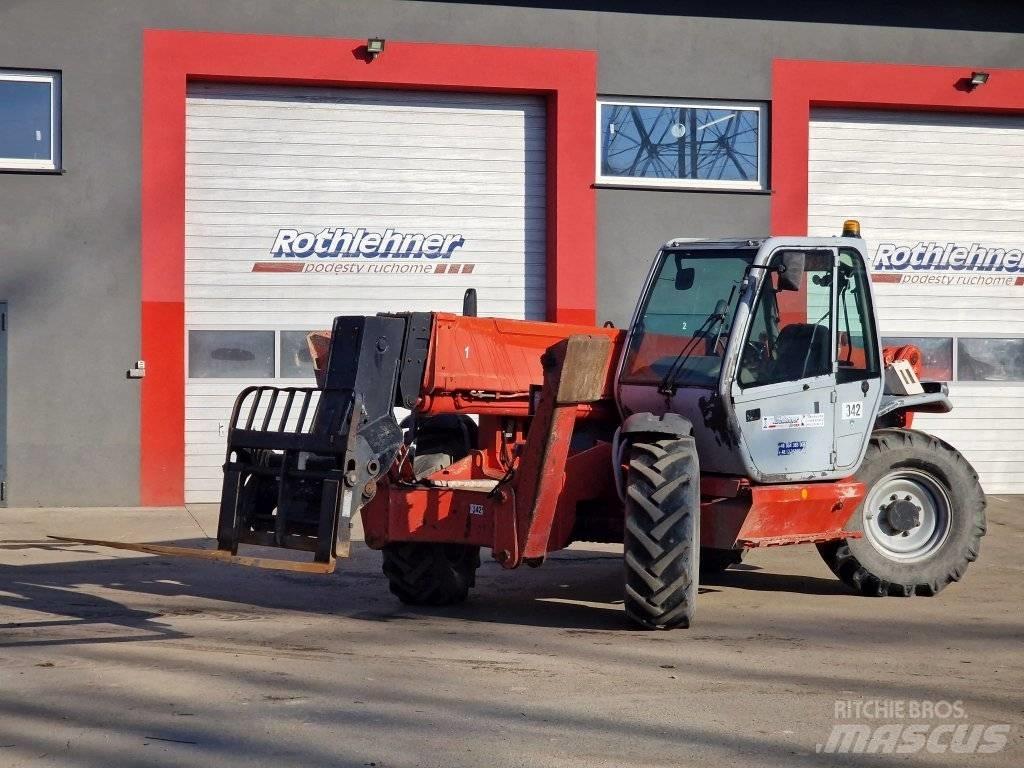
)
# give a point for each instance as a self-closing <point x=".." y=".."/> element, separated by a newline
<point x="187" y="189"/>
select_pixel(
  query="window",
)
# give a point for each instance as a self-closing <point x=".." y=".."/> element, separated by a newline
<point x="296" y="362"/>
<point x="29" y="120"/>
<point x="681" y="145"/>
<point x="790" y="331"/>
<point x="990" y="359"/>
<point x="857" y="346"/>
<point x="231" y="354"/>
<point x="936" y="354"/>
<point x="680" y="338"/>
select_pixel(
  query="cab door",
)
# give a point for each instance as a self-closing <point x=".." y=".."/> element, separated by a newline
<point x="784" y="391"/>
<point x="858" y="359"/>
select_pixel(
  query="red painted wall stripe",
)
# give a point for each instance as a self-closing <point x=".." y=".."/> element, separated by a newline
<point x="566" y="79"/>
<point x="797" y="86"/>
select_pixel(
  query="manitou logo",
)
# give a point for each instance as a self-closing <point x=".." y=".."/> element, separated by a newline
<point x="358" y="243"/>
<point x="893" y="257"/>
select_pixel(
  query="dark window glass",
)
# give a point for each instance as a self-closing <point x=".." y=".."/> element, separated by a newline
<point x="936" y="354"/>
<point x="681" y="143"/>
<point x="26" y="121"/>
<point x="231" y="354"/>
<point x="990" y="359"/>
<point x="296" y="362"/>
<point x="790" y="331"/>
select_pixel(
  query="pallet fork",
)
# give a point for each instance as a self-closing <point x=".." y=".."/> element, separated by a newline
<point x="301" y="461"/>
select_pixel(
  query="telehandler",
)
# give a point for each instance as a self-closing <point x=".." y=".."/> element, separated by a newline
<point x="749" y="404"/>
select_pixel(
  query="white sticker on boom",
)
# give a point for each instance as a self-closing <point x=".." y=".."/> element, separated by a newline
<point x="853" y="410"/>
<point x="793" y="421"/>
<point x="476" y="509"/>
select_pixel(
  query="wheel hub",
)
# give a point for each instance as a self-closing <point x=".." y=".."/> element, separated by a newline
<point x="907" y="515"/>
<point x="902" y="515"/>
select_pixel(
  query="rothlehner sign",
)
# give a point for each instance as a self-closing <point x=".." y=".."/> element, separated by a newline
<point x="948" y="263"/>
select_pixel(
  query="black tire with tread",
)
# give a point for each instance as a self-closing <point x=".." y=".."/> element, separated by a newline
<point x="661" y="542"/>
<point x="430" y="574"/>
<point x="426" y="573"/>
<point x="868" y="571"/>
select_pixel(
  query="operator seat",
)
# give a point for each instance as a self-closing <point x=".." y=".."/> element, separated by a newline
<point x="802" y="350"/>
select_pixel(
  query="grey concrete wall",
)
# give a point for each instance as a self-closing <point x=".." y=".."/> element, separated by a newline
<point x="69" y="244"/>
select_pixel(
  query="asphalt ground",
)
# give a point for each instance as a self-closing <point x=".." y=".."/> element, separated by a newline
<point x="111" y="658"/>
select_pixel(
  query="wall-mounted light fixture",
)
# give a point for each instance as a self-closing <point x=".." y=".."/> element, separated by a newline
<point x="977" y="78"/>
<point x="374" y="47"/>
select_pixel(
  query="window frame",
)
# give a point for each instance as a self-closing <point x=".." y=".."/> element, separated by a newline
<point x="765" y="285"/>
<point x="55" y="163"/>
<point x="278" y="369"/>
<point x="955" y="362"/>
<point x="988" y="383"/>
<point x="230" y="329"/>
<point x="698" y="185"/>
<point x="865" y="305"/>
<point x="276" y="330"/>
<point x="883" y="339"/>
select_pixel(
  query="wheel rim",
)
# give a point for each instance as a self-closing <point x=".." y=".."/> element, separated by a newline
<point x="891" y="504"/>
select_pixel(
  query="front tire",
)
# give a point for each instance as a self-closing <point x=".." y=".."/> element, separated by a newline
<point x="922" y="518"/>
<point x="662" y="552"/>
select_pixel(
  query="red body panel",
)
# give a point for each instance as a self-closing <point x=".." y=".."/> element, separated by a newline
<point x="768" y="515"/>
<point x="530" y="394"/>
<point x="488" y="365"/>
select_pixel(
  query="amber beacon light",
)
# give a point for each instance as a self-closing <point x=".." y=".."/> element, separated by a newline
<point x="851" y="228"/>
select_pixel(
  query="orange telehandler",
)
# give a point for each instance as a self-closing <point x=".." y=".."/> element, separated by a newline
<point x="749" y="404"/>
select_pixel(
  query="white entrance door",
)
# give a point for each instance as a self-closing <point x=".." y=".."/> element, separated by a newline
<point x="307" y="203"/>
<point x="940" y="198"/>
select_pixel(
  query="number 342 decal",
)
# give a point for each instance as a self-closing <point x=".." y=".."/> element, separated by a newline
<point x="854" y="410"/>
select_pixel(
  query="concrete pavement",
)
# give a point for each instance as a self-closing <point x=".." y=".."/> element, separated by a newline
<point x="110" y="658"/>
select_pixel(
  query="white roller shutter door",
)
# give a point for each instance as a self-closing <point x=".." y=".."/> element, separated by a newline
<point x="924" y="185"/>
<point x="455" y="184"/>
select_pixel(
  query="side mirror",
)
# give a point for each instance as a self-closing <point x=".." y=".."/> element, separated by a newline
<point x="791" y="271"/>
<point x="684" y="274"/>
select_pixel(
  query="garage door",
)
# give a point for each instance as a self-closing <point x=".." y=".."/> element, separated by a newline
<point x="940" y="198"/>
<point x="307" y="203"/>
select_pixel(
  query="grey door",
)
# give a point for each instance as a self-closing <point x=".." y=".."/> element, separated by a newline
<point x="785" y="388"/>
<point x="858" y="366"/>
<point x="3" y="404"/>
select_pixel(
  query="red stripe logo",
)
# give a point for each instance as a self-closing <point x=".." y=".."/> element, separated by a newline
<point x="276" y="266"/>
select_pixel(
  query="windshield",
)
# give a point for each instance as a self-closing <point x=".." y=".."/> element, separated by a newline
<point x="681" y="334"/>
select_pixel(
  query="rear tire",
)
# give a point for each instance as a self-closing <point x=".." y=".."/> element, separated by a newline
<point x="425" y="573"/>
<point x="922" y="518"/>
<point x="430" y="574"/>
<point x="662" y="552"/>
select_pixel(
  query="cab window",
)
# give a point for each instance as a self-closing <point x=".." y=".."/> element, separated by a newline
<point x="856" y="342"/>
<point x="790" y="331"/>
<point x="680" y="337"/>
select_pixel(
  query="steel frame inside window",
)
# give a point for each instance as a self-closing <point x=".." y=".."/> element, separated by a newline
<point x="52" y="78"/>
<point x="759" y="184"/>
